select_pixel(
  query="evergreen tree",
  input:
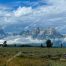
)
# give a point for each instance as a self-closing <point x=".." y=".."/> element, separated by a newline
<point x="61" y="45"/>
<point x="5" y="44"/>
<point x="41" y="45"/>
<point x="49" y="43"/>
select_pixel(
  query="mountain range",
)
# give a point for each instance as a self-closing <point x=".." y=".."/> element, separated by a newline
<point x="35" y="33"/>
<point x="35" y="36"/>
<point x="42" y="33"/>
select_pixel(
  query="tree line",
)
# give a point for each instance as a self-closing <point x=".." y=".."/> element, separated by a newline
<point x="49" y="44"/>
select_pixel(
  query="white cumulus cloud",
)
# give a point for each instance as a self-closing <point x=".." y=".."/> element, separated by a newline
<point x="23" y="11"/>
<point x="50" y="15"/>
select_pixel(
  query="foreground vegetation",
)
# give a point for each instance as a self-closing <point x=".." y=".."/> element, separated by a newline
<point x="32" y="56"/>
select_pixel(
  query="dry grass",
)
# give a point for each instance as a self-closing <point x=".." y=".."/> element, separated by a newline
<point x="33" y="56"/>
<point x="28" y="62"/>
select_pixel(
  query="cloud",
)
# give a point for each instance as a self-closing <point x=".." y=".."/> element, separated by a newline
<point x="51" y="14"/>
<point x="23" y="11"/>
<point x="20" y="40"/>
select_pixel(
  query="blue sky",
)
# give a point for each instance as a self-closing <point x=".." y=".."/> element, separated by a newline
<point x="27" y="3"/>
<point x="26" y="14"/>
<point x="7" y="1"/>
<point x="15" y="0"/>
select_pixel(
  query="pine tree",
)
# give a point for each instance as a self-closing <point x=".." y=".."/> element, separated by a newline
<point x="5" y="44"/>
<point x="49" y="43"/>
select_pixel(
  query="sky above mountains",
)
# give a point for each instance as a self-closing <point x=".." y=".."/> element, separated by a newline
<point x="24" y="14"/>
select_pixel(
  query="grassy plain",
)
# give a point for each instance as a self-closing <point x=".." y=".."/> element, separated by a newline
<point x="32" y="56"/>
